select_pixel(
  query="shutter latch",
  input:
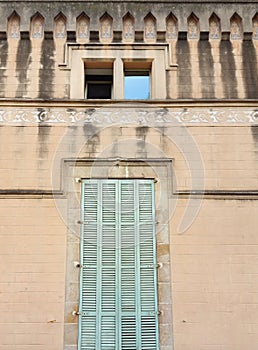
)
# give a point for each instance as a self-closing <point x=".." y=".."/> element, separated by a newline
<point x="155" y="313"/>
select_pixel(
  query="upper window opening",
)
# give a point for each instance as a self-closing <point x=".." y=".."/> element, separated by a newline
<point x="137" y="80"/>
<point x="98" y="81"/>
<point x="136" y="85"/>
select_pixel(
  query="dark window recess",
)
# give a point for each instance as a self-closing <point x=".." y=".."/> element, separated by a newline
<point x="99" y="86"/>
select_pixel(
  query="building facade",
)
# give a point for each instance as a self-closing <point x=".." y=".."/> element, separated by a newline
<point x="129" y="187"/>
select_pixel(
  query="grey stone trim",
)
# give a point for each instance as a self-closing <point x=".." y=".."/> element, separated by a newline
<point x="72" y="172"/>
<point x="207" y="194"/>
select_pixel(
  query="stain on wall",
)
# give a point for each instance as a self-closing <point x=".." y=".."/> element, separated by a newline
<point x="250" y="74"/>
<point x="47" y="72"/>
<point x="3" y="62"/>
<point x="141" y="133"/>
<point x="254" y="129"/>
<point x="184" y="68"/>
<point x="43" y="135"/>
<point x="228" y="69"/>
<point x="92" y="138"/>
<point x="206" y="66"/>
<point x="23" y="61"/>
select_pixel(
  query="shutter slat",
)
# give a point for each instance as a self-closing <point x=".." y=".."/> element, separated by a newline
<point x="108" y="332"/>
<point x="88" y="333"/>
<point x="129" y="330"/>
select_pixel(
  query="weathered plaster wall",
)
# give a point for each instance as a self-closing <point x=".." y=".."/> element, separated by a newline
<point x="228" y="154"/>
<point x="32" y="283"/>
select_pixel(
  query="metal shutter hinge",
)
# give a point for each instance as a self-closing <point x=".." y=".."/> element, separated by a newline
<point x="77" y="264"/>
<point x="76" y="313"/>
<point x="80" y="222"/>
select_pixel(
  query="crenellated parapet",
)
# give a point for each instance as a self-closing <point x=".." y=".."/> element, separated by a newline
<point x="210" y="48"/>
<point x="124" y="22"/>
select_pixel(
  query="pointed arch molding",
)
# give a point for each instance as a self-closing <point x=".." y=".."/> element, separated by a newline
<point x="150" y="28"/>
<point x="255" y="27"/>
<point x="106" y="28"/>
<point x="13" y="26"/>
<point x="214" y="27"/>
<point x="236" y="27"/>
<point x="193" y="27"/>
<point x="60" y="26"/>
<point x="37" y="26"/>
<point x="171" y="27"/>
<point x="83" y="28"/>
<point x="128" y="28"/>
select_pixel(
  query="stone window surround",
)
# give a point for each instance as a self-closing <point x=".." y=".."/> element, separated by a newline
<point x="158" y="54"/>
<point x="158" y="169"/>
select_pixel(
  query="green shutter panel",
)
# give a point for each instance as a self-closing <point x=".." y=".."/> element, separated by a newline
<point x="89" y="259"/>
<point x="118" y="297"/>
<point x="128" y="265"/>
<point x="148" y="294"/>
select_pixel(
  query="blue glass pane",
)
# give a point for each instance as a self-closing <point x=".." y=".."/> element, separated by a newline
<point x="137" y="87"/>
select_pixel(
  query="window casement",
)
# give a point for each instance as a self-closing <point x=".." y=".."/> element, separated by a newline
<point x="118" y="282"/>
<point x="136" y="77"/>
<point x="114" y="63"/>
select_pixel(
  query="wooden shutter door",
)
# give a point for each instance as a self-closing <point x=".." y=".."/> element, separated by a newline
<point x="118" y="296"/>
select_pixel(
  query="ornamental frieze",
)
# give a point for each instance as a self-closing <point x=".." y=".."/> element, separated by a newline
<point x="129" y="116"/>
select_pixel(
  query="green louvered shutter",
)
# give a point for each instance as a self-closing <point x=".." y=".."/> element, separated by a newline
<point x="118" y="298"/>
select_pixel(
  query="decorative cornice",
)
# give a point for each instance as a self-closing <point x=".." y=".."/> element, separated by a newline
<point x="131" y="1"/>
<point x="144" y="115"/>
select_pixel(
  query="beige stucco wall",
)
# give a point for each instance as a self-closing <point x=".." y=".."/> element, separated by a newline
<point x="212" y="263"/>
<point x="214" y="277"/>
<point x="32" y="282"/>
